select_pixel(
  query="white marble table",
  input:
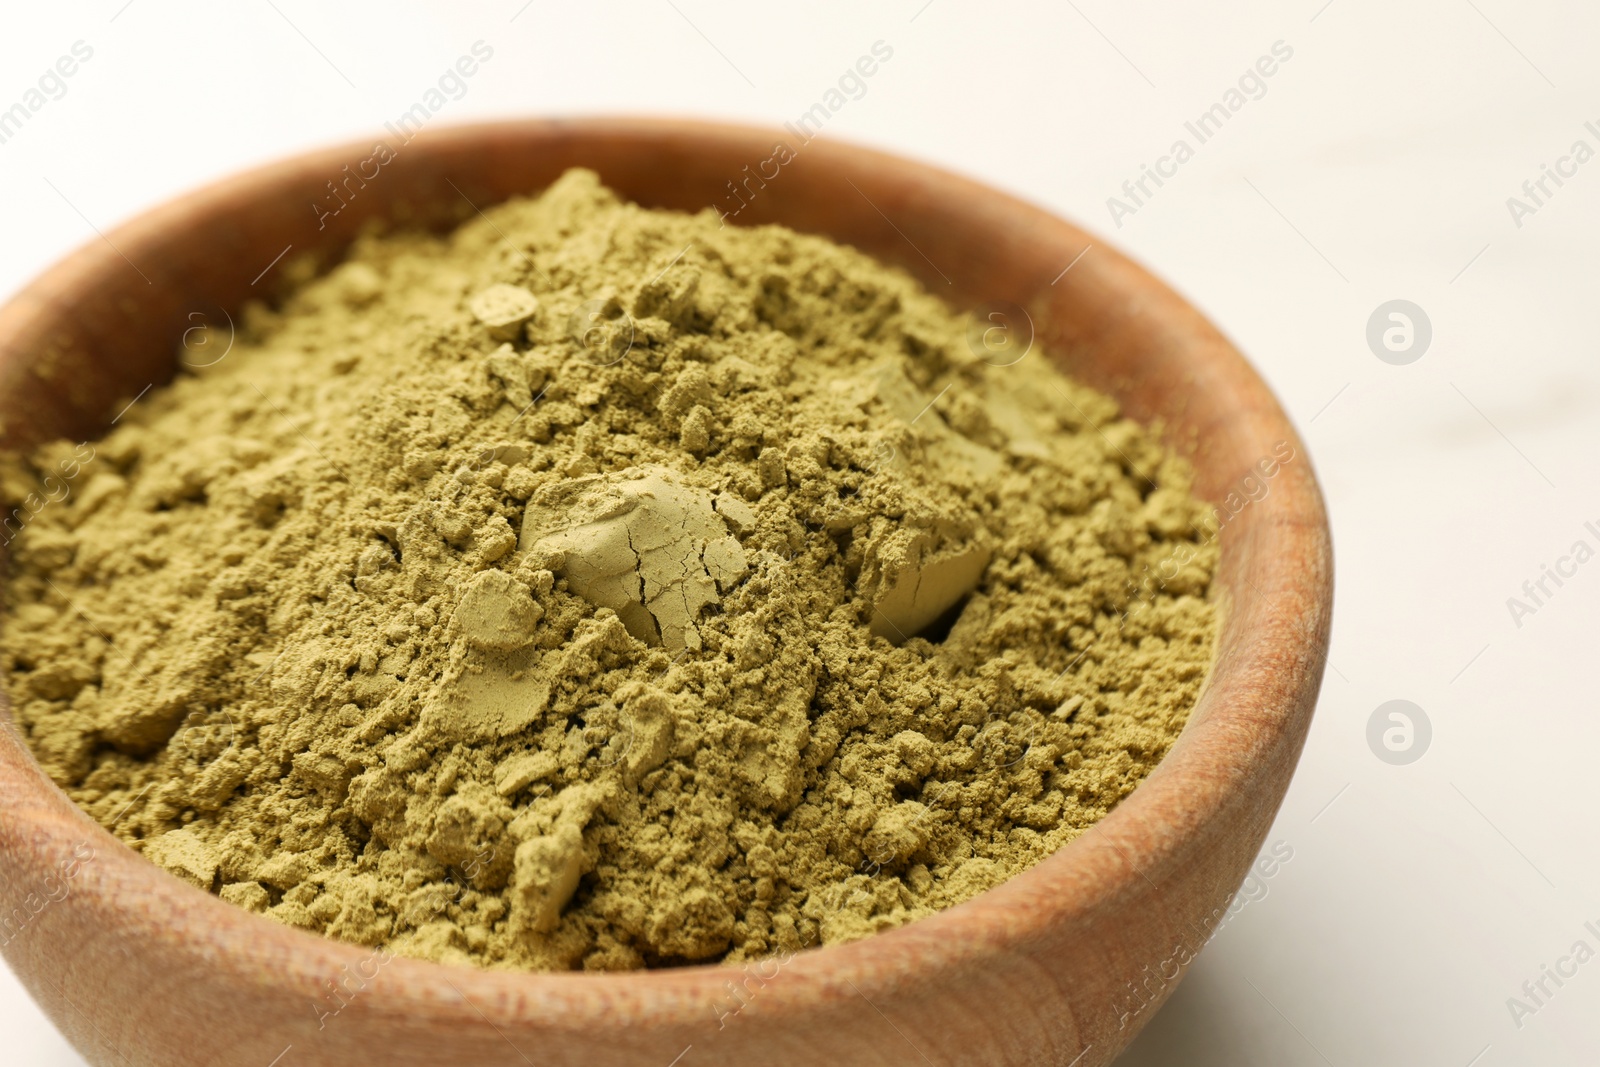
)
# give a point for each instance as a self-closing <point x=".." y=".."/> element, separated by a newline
<point x="1374" y="164"/>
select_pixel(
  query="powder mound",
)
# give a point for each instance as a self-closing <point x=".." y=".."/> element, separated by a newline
<point x="596" y="587"/>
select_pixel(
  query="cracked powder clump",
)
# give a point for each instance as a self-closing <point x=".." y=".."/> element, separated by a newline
<point x="600" y="587"/>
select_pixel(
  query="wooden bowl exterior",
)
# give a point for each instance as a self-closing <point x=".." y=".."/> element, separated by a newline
<point x="1060" y="965"/>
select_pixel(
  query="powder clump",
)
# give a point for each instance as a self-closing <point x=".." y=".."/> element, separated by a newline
<point x="641" y="543"/>
<point x="601" y="587"/>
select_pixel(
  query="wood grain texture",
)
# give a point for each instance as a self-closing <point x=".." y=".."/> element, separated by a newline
<point x="1060" y="965"/>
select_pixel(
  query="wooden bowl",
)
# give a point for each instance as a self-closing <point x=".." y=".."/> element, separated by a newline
<point x="1059" y="965"/>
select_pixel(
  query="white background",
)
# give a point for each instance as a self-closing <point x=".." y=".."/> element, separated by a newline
<point x="1377" y="166"/>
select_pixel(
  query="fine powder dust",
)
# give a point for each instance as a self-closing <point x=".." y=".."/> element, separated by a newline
<point x="600" y="587"/>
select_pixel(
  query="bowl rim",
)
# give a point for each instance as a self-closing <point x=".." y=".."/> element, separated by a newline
<point x="1257" y="698"/>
